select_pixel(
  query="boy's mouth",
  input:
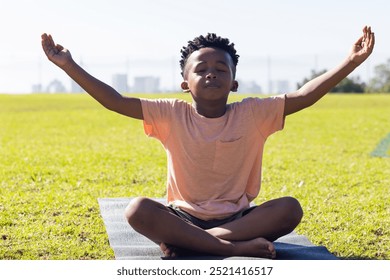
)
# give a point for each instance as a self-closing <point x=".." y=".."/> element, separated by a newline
<point x="212" y="85"/>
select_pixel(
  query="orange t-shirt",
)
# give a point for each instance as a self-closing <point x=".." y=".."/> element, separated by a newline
<point x="214" y="164"/>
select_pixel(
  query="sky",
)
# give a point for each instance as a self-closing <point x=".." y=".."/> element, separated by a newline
<point x="276" y="40"/>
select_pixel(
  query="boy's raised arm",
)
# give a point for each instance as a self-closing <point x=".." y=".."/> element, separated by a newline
<point x="312" y="91"/>
<point x="103" y="93"/>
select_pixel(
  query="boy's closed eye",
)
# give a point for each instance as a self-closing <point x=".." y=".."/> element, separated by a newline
<point x="200" y="71"/>
<point x="224" y="69"/>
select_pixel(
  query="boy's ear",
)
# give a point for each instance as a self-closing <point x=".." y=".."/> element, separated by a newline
<point x="234" y="86"/>
<point x="184" y="87"/>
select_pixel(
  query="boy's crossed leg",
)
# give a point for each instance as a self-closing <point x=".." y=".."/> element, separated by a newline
<point x="238" y="238"/>
<point x="270" y="220"/>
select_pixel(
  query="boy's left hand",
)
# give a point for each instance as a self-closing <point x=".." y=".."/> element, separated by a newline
<point x="55" y="52"/>
<point x="363" y="47"/>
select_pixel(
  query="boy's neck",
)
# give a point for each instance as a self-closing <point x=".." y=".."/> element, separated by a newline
<point x="209" y="110"/>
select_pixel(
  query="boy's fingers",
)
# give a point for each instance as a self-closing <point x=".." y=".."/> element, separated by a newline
<point x="371" y="42"/>
<point x="49" y="46"/>
<point x="359" y="41"/>
<point x="51" y="40"/>
<point x="46" y="46"/>
<point x="46" y="43"/>
<point x="59" y="47"/>
<point x="369" y="38"/>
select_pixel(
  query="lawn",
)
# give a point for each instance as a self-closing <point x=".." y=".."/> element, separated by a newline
<point x="61" y="152"/>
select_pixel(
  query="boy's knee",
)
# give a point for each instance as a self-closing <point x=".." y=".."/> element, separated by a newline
<point x="293" y="209"/>
<point x="136" y="208"/>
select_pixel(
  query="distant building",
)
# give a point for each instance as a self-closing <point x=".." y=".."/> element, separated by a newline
<point x="278" y="87"/>
<point x="146" y="84"/>
<point x="37" y="88"/>
<point x="248" y="87"/>
<point x="55" y="86"/>
<point x="119" y="82"/>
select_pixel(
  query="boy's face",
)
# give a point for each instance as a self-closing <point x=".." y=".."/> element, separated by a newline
<point x="209" y="75"/>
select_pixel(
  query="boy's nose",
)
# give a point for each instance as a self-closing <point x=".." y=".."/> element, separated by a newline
<point x="211" y="75"/>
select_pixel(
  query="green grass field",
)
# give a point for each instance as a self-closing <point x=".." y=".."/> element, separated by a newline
<point x="59" y="153"/>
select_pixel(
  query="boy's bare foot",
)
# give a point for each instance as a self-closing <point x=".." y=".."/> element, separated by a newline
<point x="168" y="251"/>
<point x="258" y="247"/>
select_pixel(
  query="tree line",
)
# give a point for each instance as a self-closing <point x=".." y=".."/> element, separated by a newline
<point x="379" y="83"/>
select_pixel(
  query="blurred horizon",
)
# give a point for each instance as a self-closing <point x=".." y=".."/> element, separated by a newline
<point x="279" y="42"/>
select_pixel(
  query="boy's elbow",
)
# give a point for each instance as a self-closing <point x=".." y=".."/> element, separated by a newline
<point x="295" y="102"/>
<point x="113" y="106"/>
<point x="130" y="107"/>
<point x="112" y="103"/>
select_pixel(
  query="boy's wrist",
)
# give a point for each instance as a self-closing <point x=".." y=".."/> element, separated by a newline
<point x="350" y="61"/>
<point x="69" y="66"/>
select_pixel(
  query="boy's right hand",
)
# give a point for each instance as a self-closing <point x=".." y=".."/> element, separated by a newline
<point x="103" y="93"/>
<point x="55" y="52"/>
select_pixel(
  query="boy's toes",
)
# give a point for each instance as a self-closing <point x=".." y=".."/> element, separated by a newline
<point x="167" y="250"/>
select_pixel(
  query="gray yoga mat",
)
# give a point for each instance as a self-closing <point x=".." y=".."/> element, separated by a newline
<point x="130" y="245"/>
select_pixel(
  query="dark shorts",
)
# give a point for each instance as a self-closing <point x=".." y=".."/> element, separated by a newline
<point x="210" y="223"/>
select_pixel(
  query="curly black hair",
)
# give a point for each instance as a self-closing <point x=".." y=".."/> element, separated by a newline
<point x="210" y="40"/>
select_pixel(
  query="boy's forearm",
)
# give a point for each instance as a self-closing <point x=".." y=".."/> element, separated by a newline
<point x="319" y="86"/>
<point x="315" y="89"/>
<point x="312" y="91"/>
<point x="103" y="93"/>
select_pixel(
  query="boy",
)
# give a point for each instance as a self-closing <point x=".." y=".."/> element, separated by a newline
<point x="214" y="150"/>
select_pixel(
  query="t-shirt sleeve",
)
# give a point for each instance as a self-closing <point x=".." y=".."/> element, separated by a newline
<point x="269" y="114"/>
<point x="157" y="117"/>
